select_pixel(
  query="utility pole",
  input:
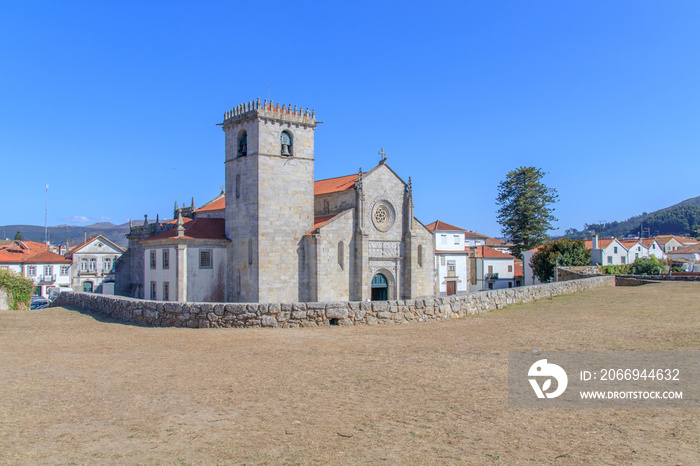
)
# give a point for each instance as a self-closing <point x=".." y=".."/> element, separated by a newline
<point x="46" y="217"/>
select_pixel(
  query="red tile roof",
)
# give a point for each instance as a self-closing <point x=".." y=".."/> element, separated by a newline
<point x="199" y="228"/>
<point x="490" y="253"/>
<point x="215" y="204"/>
<point x="692" y="249"/>
<point x="628" y="243"/>
<point x="473" y="234"/>
<point x="334" y="185"/>
<point x="437" y="225"/>
<point x="602" y="243"/>
<point x="30" y="252"/>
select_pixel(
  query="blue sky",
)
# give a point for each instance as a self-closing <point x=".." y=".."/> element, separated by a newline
<point x="114" y="104"/>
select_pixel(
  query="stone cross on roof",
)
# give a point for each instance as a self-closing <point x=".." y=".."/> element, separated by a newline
<point x="382" y="154"/>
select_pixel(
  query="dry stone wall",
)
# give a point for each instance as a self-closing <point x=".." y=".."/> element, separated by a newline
<point x="206" y="315"/>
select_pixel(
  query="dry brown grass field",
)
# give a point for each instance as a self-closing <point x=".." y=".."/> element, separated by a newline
<point x="76" y="389"/>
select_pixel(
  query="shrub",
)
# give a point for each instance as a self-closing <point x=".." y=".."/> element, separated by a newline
<point x="562" y="252"/>
<point x="19" y="289"/>
<point x="615" y="269"/>
<point x="648" y="266"/>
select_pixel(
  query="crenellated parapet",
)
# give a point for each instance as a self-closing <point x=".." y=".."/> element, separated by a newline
<point x="270" y="111"/>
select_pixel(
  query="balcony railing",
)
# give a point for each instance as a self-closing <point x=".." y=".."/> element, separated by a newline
<point x="47" y="278"/>
<point x="491" y="276"/>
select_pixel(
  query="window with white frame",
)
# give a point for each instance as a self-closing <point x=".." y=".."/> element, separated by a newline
<point x="152" y="257"/>
<point x="93" y="264"/>
<point x="610" y="260"/>
<point x="456" y="239"/>
<point x="48" y="271"/>
<point x="451" y="266"/>
<point x="443" y="239"/>
<point x="166" y="291"/>
<point x="65" y="269"/>
<point x="107" y="264"/>
<point x="166" y="259"/>
<point x="84" y="264"/>
<point x="31" y="270"/>
<point x="153" y="290"/>
<point x="205" y="260"/>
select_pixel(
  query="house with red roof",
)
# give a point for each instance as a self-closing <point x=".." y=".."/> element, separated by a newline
<point x="607" y="251"/>
<point x="451" y="258"/>
<point x="276" y="235"/>
<point x="36" y="262"/>
<point x="492" y="270"/>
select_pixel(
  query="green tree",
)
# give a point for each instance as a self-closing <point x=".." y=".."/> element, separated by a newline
<point x="18" y="236"/>
<point x="562" y="252"/>
<point x="526" y="210"/>
<point x="648" y="266"/>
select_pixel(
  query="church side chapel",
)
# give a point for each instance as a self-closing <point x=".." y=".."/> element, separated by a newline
<point x="284" y="237"/>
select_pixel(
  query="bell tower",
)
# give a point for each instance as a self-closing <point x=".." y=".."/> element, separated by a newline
<point x="269" y="199"/>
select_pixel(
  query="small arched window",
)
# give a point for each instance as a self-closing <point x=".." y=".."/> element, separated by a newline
<point x="326" y="207"/>
<point x="238" y="186"/>
<point x="286" y="142"/>
<point x="420" y="255"/>
<point x="242" y="143"/>
<point x="250" y="251"/>
<point x="341" y="254"/>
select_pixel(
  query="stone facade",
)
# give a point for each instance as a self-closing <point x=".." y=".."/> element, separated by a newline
<point x="312" y="314"/>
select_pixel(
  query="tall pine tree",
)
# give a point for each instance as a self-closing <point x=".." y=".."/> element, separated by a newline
<point x="526" y="212"/>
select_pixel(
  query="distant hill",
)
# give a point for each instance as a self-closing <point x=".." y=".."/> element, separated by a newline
<point x="679" y="219"/>
<point x="74" y="233"/>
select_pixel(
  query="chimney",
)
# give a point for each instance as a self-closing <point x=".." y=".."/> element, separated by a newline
<point x="595" y="241"/>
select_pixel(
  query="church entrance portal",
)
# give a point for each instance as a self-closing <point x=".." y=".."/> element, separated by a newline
<point x="380" y="288"/>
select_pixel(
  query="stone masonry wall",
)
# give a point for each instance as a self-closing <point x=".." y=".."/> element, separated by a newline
<point x="206" y="315"/>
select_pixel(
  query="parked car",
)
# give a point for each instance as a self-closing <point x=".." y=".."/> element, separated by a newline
<point x="39" y="302"/>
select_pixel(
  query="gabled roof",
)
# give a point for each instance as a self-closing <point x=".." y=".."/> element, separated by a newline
<point x="438" y="225"/>
<point x="93" y="239"/>
<point x="218" y="203"/>
<point x="490" y="253"/>
<point x="628" y="243"/>
<point x="648" y="242"/>
<point x="199" y="228"/>
<point x="602" y="243"/>
<point x="334" y="185"/>
<point x="663" y="239"/>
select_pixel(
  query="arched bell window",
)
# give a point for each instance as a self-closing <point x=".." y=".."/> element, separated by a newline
<point x="286" y="142"/>
<point x="242" y="143"/>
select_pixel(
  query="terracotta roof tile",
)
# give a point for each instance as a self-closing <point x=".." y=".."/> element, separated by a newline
<point x="490" y="253"/>
<point x="438" y="225"/>
<point x="334" y="185"/>
<point x="215" y="204"/>
<point x="692" y="249"/>
<point x="199" y="228"/>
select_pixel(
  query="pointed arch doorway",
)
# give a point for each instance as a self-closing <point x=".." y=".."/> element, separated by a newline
<point x="380" y="288"/>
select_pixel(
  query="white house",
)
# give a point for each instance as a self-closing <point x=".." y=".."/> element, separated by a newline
<point x="494" y="270"/>
<point x="672" y="242"/>
<point x="451" y="258"/>
<point x="36" y="262"/>
<point x="607" y="251"/>
<point x="93" y="265"/>
<point x="635" y="249"/>
<point x="473" y="239"/>
<point x="654" y="248"/>
<point x="529" y="277"/>
<point x="186" y="262"/>
<point x="688" y="253"/>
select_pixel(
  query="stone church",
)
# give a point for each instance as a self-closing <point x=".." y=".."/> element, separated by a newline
<point x="276" y="235"/>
